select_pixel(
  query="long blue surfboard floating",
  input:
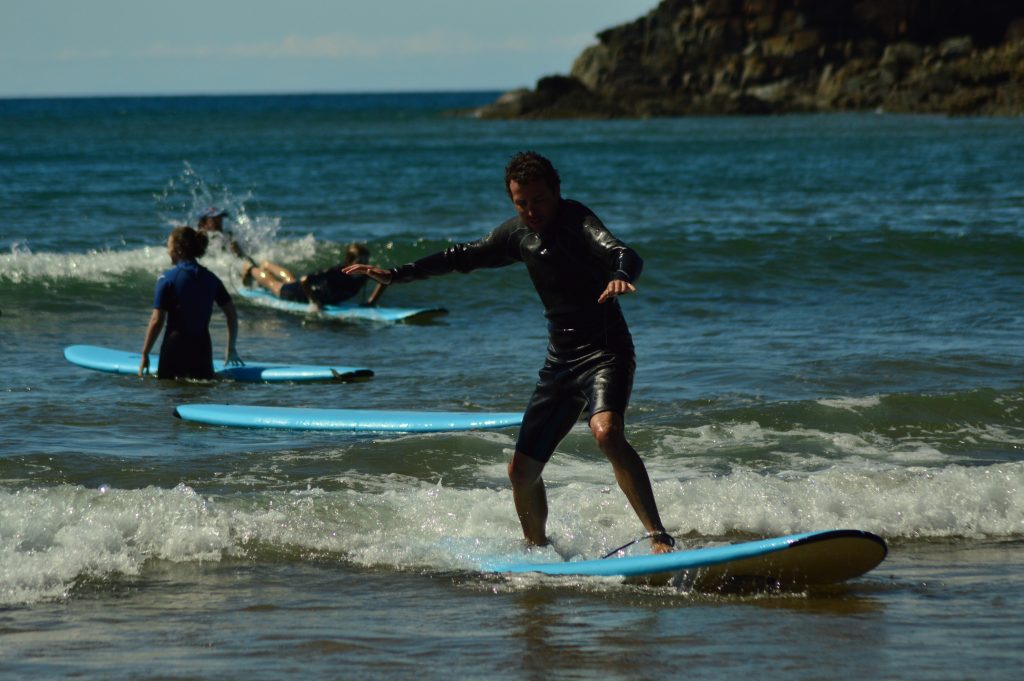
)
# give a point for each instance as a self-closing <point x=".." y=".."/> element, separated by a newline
<point x="380" y="420"/>
<point x="799" y="560"/>
<point x="265" y="298"/>
<point x="127" y="363"/>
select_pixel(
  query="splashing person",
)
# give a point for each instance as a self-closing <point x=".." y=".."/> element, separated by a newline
<point x="211" y="221"/>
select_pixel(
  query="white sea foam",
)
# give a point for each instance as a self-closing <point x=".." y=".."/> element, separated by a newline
<point x="21" y="265"/>
<point x="851" y="403"/>
<point x="902" y="502"/>
<point x="51" y="538"/>
<point x="810" y="448"/>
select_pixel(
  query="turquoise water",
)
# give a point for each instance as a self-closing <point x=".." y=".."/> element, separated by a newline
<point x="828" y="332"/>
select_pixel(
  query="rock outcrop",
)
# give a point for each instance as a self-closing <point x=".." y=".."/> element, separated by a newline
<point x="694" y="57"/>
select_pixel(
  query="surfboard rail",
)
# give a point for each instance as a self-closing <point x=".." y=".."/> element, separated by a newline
<point x="789" y="562"/>
<point x="371" y="420"/>
<point x="343" y="311"/>
<point x="126" y="363"/>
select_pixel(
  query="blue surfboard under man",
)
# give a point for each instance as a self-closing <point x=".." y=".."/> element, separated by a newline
<point x="579" y="269"/>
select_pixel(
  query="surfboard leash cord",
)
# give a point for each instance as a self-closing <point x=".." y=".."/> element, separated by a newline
<point x="664" y="536"/>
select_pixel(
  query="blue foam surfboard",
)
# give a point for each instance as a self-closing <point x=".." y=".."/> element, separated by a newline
<point x="343" y="311"/>
<point x="299" y="418"/>
<point x="127" y="363"/>
<point x="799" y="560"/>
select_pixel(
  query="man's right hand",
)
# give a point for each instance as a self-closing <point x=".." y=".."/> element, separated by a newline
<point x="379" y="275"/>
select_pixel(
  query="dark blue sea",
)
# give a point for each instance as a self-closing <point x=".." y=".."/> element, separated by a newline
<point x="829" y="334"/>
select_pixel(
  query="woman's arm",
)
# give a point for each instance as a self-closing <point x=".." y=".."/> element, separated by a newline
<point x="231" y="357"/>
<point x="156" y="325"/>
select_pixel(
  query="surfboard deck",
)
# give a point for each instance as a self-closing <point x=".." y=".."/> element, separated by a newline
<point x="791" y="562"/>
<point x="265" y="298"/>
<point x="127" y="363"/>
<point x="380" y="420"/>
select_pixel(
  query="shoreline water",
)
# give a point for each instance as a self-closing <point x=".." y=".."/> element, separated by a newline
<point x="828" y="336"/>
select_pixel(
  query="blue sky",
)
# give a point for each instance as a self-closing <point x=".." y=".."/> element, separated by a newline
<point x="97" y="47"/>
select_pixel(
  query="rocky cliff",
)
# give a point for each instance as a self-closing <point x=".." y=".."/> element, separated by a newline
<point x="688" y="57"/>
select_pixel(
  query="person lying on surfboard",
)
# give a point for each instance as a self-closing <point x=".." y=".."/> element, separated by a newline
<point x="326" y="287"/>
<point x="579" y="270"/>
<point x="184" y="298"/>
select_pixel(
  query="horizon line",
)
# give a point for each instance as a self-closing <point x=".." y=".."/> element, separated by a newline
<point x="269" y="93"/>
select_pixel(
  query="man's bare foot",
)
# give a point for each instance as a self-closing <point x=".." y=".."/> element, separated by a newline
<point x="662" y="542"/>
<point x="530" y="546"/>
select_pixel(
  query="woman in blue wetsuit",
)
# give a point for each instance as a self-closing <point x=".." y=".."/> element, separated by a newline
<point x="184" y="299"/>
<point x="578" y="269"/>
<point x="327" y="287"/>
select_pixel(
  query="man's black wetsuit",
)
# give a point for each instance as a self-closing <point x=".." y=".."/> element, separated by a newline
<point x="590" y="360"/>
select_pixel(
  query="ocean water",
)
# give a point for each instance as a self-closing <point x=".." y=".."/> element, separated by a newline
<point x="828" y="331"/>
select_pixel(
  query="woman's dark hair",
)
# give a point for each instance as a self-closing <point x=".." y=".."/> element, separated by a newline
<point x="187" y="244"/>
<point x="529" y="166"/>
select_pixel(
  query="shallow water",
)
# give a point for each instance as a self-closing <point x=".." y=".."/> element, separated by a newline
<point x="828" y="336"/>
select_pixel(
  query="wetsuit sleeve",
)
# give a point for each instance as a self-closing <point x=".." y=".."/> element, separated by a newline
<point x="625" y="263"/>
<point x="161" y="293"/>
<point x="221" y="295"/>
<point x="494" y="250"/>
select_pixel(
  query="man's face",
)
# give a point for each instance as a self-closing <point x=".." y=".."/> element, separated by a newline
<point x="214" y="224"/>
<point x="535" y="203"/>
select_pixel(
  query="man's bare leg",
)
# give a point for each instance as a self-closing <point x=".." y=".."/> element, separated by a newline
<point x="630" y="472"/>
<point x="530" y="498"/>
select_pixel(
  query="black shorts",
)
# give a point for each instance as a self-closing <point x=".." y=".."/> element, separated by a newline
<point x="185" y="356"/>
<point x="293" y="292"/>
<point x="596" y="379"/>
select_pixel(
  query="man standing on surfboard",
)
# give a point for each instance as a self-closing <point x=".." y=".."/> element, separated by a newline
<point x="579" y="269"/>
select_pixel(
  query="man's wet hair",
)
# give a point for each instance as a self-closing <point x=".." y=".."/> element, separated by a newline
<point x="529" y="166"/>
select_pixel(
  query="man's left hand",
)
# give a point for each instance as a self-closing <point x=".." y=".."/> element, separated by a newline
<point x="616" y="287"/>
